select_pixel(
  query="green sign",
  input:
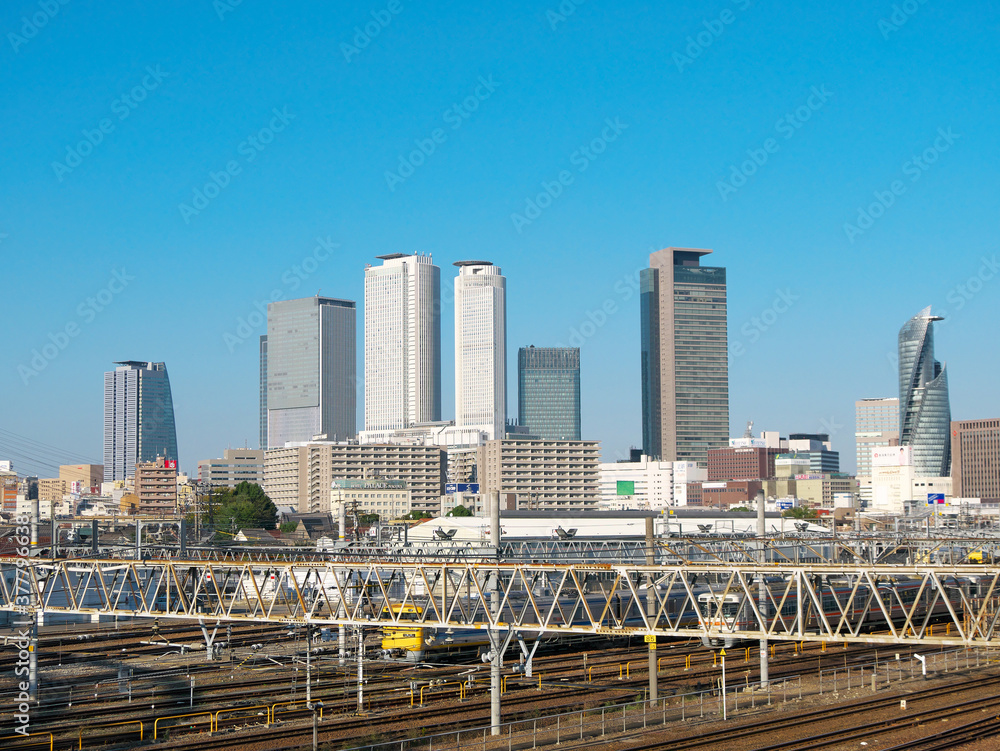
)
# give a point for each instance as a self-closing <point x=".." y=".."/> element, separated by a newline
<point x="626" y="487"/>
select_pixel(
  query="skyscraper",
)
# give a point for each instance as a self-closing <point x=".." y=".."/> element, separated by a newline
<point x="481" y="348"/>
<point x="684" y="357"/>
<point x="876" y="426"/>
<point x="924" y="407"/>
<point x="402" y="342"/>
<point x="548" y="393"/>
<point x="138" y="417"/>
<point x="311" y="375"/>
<point x="263" y="393"/>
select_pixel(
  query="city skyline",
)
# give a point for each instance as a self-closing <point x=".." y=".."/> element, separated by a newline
<point x="564" y="150"/>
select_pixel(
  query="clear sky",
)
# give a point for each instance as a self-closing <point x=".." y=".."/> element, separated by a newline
<point x="168" y="167"/>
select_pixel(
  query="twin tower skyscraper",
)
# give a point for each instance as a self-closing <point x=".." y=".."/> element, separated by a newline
<point x="308" y="382"/>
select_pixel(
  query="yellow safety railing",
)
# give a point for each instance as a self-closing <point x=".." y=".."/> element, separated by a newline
<point x="156" y="725"/>
<point x="715" y="659"/>
<point x="461" y="690"/>
<point x="267" y="713"/>
<point x="293" y="705"/>
<point x="746" y="654"/>
<point x="822" y="646"/>
<point x="590" y="674"/>
<point x="52" y="741"/>
<point x="503" y="682"/>
<point x="110" y="725"/>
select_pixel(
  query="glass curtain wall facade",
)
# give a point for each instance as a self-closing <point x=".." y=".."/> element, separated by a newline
<point x="924" y="406"/>
<point x="311" y="376"/>
<point x="138" y="417"/>
<point x="548" y="401"/>
<point x="685" y="365"/>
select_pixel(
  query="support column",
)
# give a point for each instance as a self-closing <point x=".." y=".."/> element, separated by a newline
<point x="182" y="536"/>
<point x="33" y="656"/>
<point x="342" y="644"/>
<point x="361" y="669"/>
<point x="651" y="610"/>
<point x="94" y="536"/>
<point x="762" y="588"/>
<point x="497" y="657"/>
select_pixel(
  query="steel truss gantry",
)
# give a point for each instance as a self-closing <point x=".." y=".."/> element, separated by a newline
<point x="947" y="605"/>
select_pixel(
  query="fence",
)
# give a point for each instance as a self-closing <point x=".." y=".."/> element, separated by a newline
<point x="895" y="668"/>
<point x="600" y="721"/>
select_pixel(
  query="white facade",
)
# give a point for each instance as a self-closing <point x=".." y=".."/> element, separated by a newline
<point x="481" y="348"/>
<point x="402" y="344"/>
<point x="390" y="499"/>
<point x="656" y="484"/>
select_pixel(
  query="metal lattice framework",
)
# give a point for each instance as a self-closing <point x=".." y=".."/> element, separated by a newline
<point x="955" y="605"/>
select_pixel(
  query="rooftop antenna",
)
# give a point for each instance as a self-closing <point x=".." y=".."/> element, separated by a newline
<point x="748" y="433"/>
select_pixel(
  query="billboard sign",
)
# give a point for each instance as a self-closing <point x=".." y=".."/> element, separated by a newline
<point x="625" y="487"/>
<point x="892" y="456"/>
<point x="461" y="487"/>
<point x="935" y="498"/>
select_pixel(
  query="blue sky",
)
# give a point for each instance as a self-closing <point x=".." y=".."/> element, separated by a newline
<point x="755" y="129"/>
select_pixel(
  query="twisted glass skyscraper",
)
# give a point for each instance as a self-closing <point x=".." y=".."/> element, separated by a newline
<point x="924" y="407"/>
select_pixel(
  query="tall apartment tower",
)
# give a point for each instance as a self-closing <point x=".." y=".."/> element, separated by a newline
<point x="310" y="373"/>
<point x="481" y="348"/>
<point x="402" y="343"/>
<point x="138" y="417"/>
<point x="548" y="392"/>
<point x="924" y="406"/>
<point x="263" y="393"/>
<point x="876" y="425"/>
<point x="685" y="366"/>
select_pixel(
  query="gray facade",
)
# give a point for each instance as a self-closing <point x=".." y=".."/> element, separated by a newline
<point x="924" y="405"/>
<point x="684" y="356"/>
<point x="138" y="417"/>
<point x="263" y="393"/>
<point x="548" y="397"/>
<point x="311" y="370"/>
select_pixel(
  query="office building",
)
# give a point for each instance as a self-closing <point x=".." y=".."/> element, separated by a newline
<point x="311" y="373"/>
<point x="390" y="499"/>
<point x="235" y="466"/>
<point x="743" y="459"/>
<point x="647" y="483"/>
<point x="480" y="348"/>
<point x="138" y="417"/>
<point x="975" y="459"/>
<point x="402" y="344"/>
<point x="545" y="475"/>
<point x="263" y="393"/>
<point x="684" y="357"/>
<point x="548" y="392"/>
<point x="156" y="486"/>
<point x="924" y="407"/>
<point x="301" y="475"/>
<point x="876" y="425"/>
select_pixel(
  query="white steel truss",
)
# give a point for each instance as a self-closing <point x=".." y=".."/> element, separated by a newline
<point x="947" y="605"/>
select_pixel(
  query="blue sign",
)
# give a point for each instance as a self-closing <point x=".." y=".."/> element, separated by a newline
<point x="783" y="505"/>
<point x="933" y="498"/>
<point x="461" y="487"/>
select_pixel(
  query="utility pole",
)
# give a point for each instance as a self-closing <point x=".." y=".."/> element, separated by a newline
<point x="762" y="590"/>
<point x="651" y="611"/>
<point x="361" y="670"/>
<point x="497" y="655"/>
<point x="308" y="665"/>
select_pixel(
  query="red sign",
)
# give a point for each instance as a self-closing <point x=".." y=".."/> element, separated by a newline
<point x="170" y="463"/>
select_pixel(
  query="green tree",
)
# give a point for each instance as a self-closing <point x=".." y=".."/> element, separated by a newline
<point x="460" y="510"/>
<point x="245" y="507"/>
<point x="287" y="527"/>
<point x="740" y="508"/>
<point x="799" y="512"/>
<point x="418" y="515"/>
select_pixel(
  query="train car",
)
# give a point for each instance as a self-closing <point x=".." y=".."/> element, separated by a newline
<point x="417" y="642"/>
<point x="728" y="612"/>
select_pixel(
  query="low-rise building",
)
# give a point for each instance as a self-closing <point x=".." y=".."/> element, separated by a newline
<point x="235" y="466"/>
<point x="544" y="475"/>
<point x="156" y="486"/>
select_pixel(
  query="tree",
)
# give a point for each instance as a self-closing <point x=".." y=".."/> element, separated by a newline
<point x="287" y="527"/>
<point x="799" y="512"/>
<point x="460" y="510"/>
<point x="739" y="508"/>
<point x="418" y="515"/>
<point x="245" y="507"/>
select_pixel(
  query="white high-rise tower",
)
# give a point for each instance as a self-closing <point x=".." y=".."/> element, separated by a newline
<point x="481" y="348"/>
<point x="402" y="344"/>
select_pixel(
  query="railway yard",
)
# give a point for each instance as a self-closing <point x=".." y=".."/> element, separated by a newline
<point x="101" y="686"/>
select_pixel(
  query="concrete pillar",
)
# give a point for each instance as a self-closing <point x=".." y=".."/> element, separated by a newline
<point x="762" y="585"/>
<point x="94" y="536"/>
<point x="651" y="609"/>
<point x="182" y="535"/>
<point x="495" y="639"/>
<point x="342" y="522"/>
